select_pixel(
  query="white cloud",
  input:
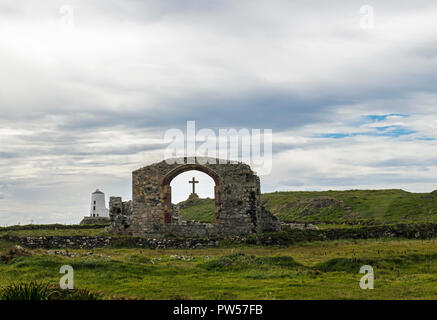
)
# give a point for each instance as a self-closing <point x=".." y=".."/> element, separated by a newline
<point x="82" y="107"/>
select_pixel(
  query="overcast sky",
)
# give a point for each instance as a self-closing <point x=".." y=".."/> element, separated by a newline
<point x="88" y="89"/>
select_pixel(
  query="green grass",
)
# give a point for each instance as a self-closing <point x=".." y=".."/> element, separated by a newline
<point x="26" y="291"/>
<point x="240" y="261"/>
<point x="365" y="206"/>
<point x="50" y="232"/>
<point x="57" y="226"/>
<point x="53" y="230"/>
<point x="203" y="210"/>
<point x="386" y="206"/>
<point x="34" y="290"/>
<point x="404" y="269"/>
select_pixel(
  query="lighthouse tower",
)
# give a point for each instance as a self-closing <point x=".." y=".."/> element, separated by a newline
<point x="98" y="208"/>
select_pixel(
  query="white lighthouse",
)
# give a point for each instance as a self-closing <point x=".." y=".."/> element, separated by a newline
<point x="98" y="208"/>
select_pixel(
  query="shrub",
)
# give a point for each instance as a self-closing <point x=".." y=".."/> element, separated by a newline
<point x="26" y="291"/>
<point x="43" y="291"/>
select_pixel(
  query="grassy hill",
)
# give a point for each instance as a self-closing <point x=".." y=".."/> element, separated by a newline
<point x="379" y="206"/>
<point x="201" y="210"/>
<point x="316" y="270"/>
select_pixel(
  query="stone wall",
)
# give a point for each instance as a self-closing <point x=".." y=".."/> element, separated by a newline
<point x="95" y="220"/>
<point x="284" y="238"/>
<point x="120" y="214"/>
<point x="80" y="242"/>
<point x="150" y="214"/>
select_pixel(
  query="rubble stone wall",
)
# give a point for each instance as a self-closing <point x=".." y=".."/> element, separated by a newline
<point x="95" y="220"/>
<point x="237" y="198"/>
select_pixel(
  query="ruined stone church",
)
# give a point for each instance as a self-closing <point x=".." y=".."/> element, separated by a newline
<point x="150" y="213"/>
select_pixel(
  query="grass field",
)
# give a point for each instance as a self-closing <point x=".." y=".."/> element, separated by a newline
<point x="45" y="232"/>
<point x="404" y="269"/>
<point x="378" y="206"/>
<point x="203" y="210"/>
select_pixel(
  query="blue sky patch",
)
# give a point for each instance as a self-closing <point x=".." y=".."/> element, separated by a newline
<point x="376" y="118"/>
<point x="387" y="131"/>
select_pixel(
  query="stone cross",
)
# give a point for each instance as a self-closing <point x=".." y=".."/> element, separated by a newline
<point x="194" y="184"/>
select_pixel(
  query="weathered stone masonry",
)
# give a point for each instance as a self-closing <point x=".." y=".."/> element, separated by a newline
<point x="150" y="213"/>
<point x="407" y="231"/>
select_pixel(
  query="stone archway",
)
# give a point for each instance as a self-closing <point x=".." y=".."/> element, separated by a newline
<point x="166" y="188"/>
<point x="237" y="197"/>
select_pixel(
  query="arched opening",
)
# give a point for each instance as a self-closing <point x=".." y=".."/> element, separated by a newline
<point x="192" y="195"/>
<point x="183" y="177"/>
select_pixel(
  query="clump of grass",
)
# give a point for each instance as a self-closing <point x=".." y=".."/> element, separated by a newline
<point x="74" y="294"/>
<point x="137" y="258"/>
<point x="233" y="261"/>
<point x="353" y="265"/>
<point x="282" y="261"/>
<point x="26" y="291"/>
<point x="89" y="265"/>
<point x="262" y="275"/>
<point x="179" y="297"/>
<point x="240" y="261"/>
<point x="43" y="291"/>
<point x="350" y="265"/>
